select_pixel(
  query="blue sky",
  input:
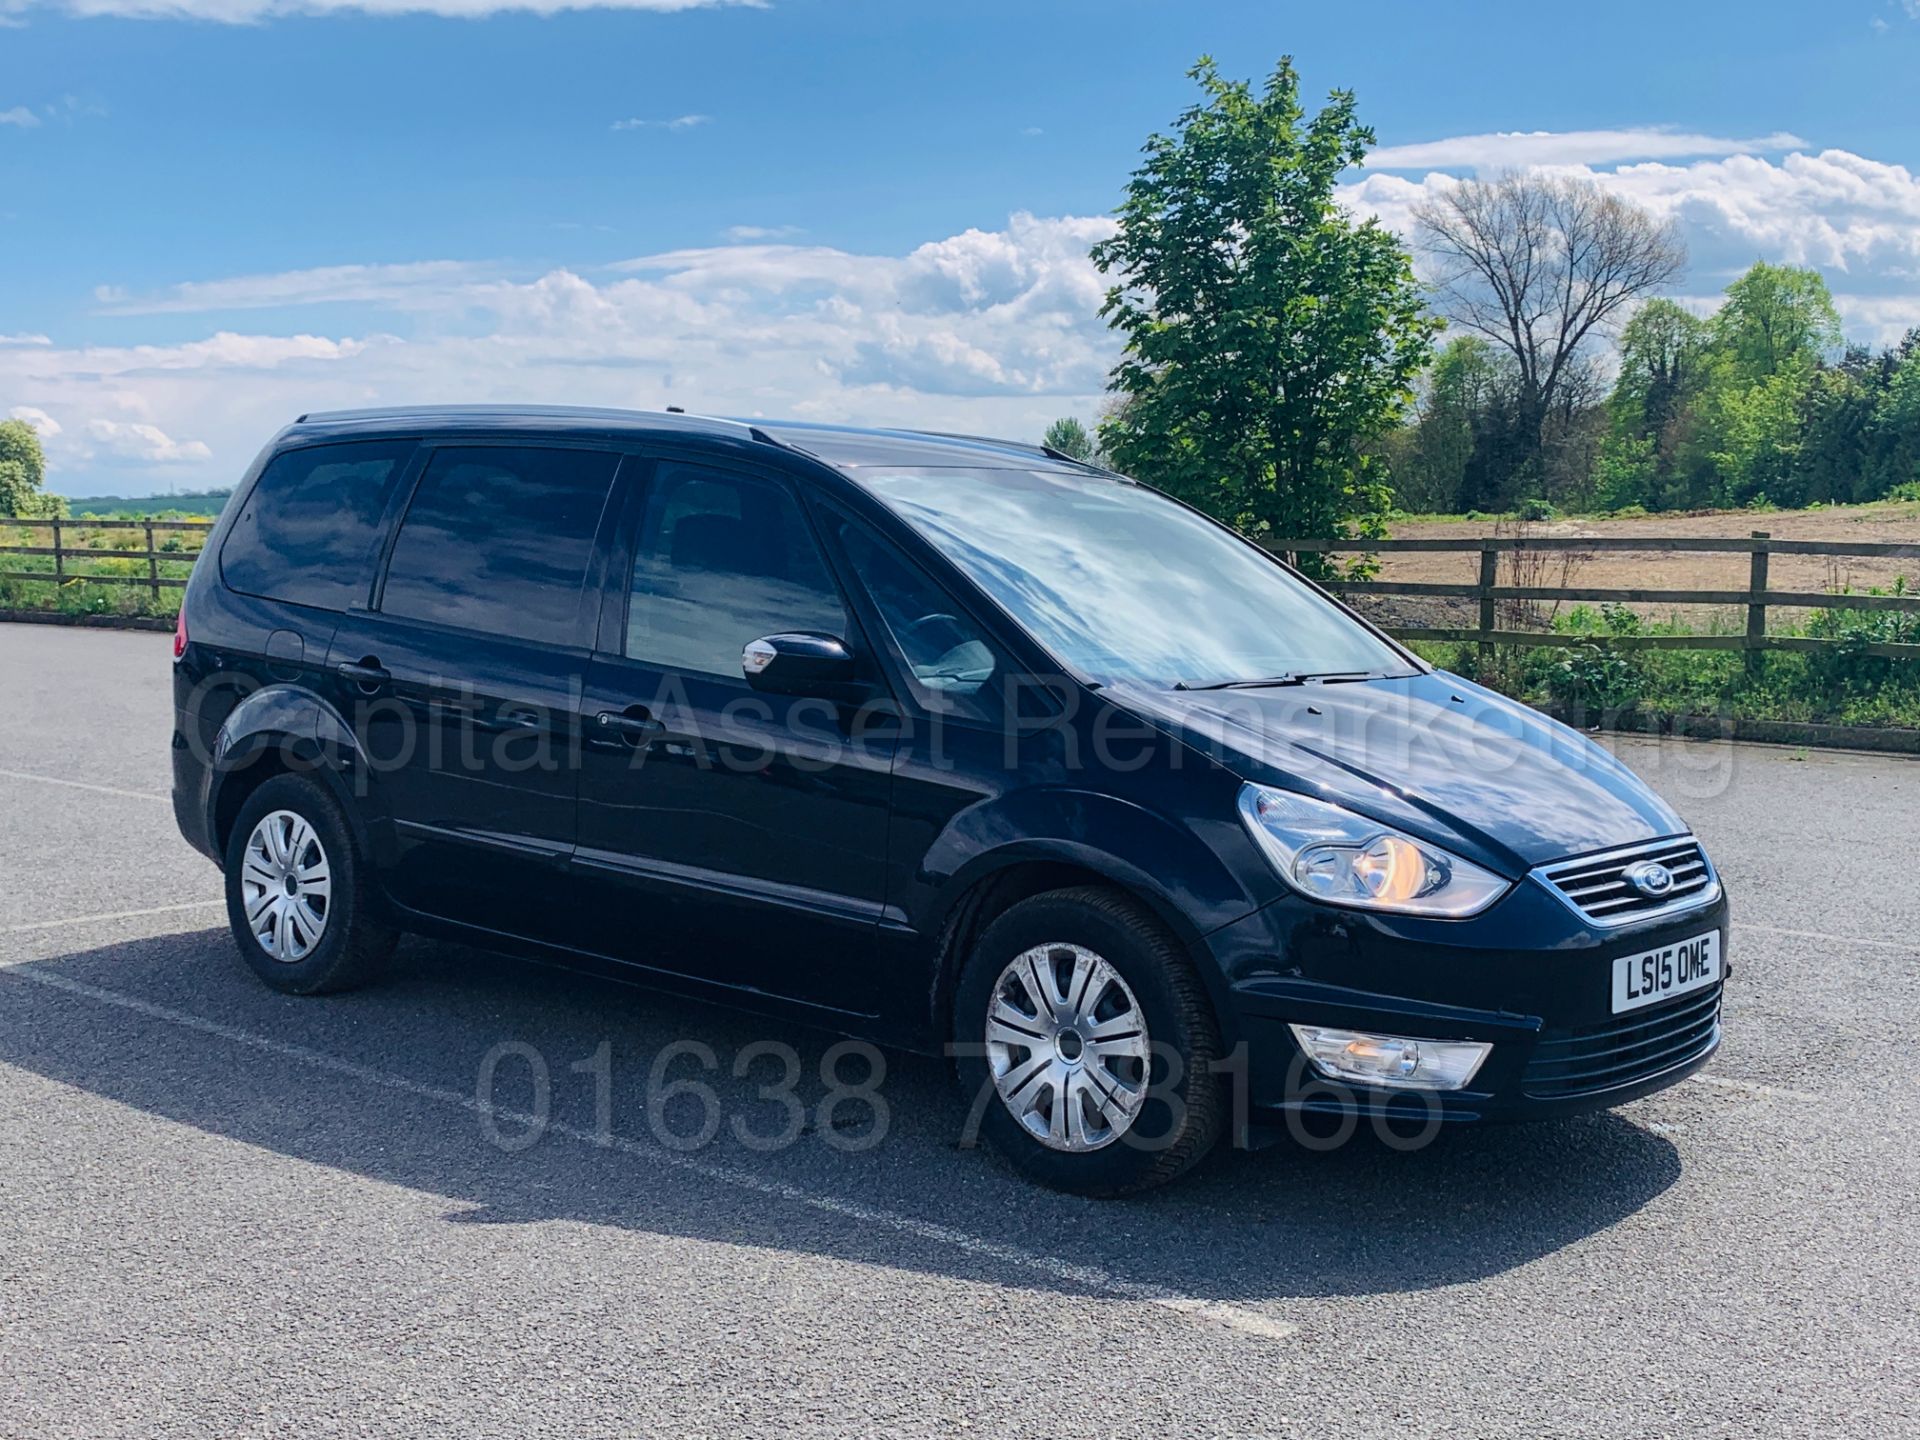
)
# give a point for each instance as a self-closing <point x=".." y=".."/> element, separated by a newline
<point x="217" y="213"/>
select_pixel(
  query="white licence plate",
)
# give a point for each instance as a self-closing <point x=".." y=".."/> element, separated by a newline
<point x="1657" y="975"/>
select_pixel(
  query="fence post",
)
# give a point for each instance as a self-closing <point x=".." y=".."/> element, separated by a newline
<point x="153" y="566"/>
<point x="59" y="559"/>
<point x="1489" y="577"/>
<point x="1757" y="604"/>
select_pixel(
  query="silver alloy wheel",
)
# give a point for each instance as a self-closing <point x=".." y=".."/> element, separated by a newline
<point x="1067" y="1047"/>
<point x="286" y="886"/>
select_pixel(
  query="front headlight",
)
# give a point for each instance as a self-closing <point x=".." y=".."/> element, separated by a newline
<point x="1331" y="854"/>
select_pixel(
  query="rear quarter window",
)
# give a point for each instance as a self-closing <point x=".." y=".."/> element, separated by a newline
<point x="306" y="533"/>
<point x="499" y="540"/>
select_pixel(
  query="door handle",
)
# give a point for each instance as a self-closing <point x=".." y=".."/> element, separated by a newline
<point x="635" y="725"/>
<point x="519" y="720"/>
<point x="367" y="672"/>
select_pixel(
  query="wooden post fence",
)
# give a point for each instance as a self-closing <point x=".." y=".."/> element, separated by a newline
<point x="74" y="563"/>
<point x="1756" y="599"/>
<point x="153" y="564"/>
<point x="1489" y="579"/>
<point x="1757" y="605"/>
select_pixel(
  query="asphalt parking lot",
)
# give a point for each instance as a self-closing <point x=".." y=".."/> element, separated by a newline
<point x="229" y="1212"/>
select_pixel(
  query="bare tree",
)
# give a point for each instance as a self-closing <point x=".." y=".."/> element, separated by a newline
<point x="1537" y="264"/>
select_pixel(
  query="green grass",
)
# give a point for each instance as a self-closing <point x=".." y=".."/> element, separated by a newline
<point x="203" y="505"/>
<point x="1838" y="686"/>
<point x="104" y="555"/>
<point x="1899" y="504"/>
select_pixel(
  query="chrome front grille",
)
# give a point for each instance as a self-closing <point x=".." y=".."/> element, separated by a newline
<point x="1601" y="888"/>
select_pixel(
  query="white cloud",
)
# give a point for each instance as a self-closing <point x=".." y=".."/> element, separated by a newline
<point x="1519" y="149"/>
<point x="25" y="339"/>
<point x="743" y="234"/>
<point x="20" y="116"/>
<point x="1857" y="220"/>
<point x="39" y="419"/>
<point x="678" y="122"/>
<point x="987" y="330"/>
<point x="402" y="286"/>
<point x="1833" y="209"/>
<point x="149" y="443"/>
<point x="247" y="12"/>
<point x="1878" y="319"/>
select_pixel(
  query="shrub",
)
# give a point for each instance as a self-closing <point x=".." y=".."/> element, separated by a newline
<point x="1596" y="677"/>
<point x="1847" y="667"/>
<point x="1536" y="509"/>
<point x="1905" y="490"/>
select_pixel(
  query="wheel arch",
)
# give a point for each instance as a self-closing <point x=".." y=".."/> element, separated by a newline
<point x="1001" y="880"/>
<point x="285" y="730"/>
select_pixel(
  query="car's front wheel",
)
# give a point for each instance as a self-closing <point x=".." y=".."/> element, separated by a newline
<point x="1083" y="1032"/>
<point x="297" y="892"/>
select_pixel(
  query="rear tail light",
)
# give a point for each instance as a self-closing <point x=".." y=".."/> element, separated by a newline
<point x="180" y="634"/>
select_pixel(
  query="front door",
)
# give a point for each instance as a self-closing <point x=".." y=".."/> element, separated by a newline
<point x="724" y="834"/>
<point x="463" y="683"/>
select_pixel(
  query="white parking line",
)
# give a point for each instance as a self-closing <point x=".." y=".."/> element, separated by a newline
<point x="85" y="785"/>
<point x="1753" y="1087"/>
<point x="1824" y="935"/>
<point x="110" y="915"/>
<point x="1088" y="1277"/>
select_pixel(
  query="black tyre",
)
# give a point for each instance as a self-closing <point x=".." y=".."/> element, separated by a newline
<point x="297" y="892"/>
<point x="1087" y="1042"/>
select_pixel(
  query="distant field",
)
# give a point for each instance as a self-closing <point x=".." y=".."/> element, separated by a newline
<point x="101" y="570"/>
<point x="1839" y="685"/>
<point x="121" y="507"/>
<point x="1897" y="521"/>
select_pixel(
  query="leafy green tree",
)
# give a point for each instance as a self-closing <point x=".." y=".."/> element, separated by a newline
<point x="1777" y="318"/>
<point x="1840" y="441"/>
<point x="23" y="470"/>
<point x="1745" y="434"/>
<point x="1663" y="363"/>
<point x="1894" y="435"/>
<point x="1069" y="437"/>
<point x="1463" y="413"/>
<point x="1627" y="472"/>
<point x="1269" y="336"/>
<point x="1751" y="435"/>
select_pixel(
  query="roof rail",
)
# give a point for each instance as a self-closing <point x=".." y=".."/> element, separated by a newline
<point x="768" y="439"/>
<point x="1025" y="447"/>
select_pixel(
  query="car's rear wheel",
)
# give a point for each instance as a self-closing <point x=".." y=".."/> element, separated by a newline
<point x="1084" y="1032"/>
<point x="297" y="894"/>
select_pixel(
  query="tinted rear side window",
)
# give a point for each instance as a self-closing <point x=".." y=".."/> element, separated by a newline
<point x="308" y="527"/>
<point x="499" y="540"/>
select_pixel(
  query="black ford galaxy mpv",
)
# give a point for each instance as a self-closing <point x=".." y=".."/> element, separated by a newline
<point x="952" y="743"/>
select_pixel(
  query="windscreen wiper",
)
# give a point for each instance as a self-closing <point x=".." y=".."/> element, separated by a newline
<point x="1290" y="678"/>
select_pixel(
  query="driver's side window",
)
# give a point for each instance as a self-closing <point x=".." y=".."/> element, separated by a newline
<point x="723" y="560"/>
<point x="952" y="668"/>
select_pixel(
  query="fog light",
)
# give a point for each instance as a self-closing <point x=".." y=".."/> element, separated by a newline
<point x="1393" y="1060"/>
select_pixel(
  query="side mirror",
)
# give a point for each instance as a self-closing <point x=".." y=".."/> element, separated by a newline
<point x="800" y="663"/>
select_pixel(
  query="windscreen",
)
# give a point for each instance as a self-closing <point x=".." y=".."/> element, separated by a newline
<point x="1121" y="583"/>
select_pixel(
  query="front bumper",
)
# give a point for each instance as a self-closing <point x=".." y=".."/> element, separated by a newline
<point x="1530" y="976"/>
